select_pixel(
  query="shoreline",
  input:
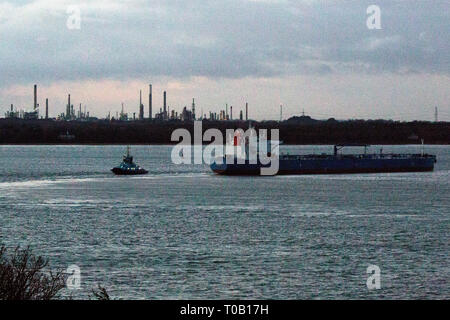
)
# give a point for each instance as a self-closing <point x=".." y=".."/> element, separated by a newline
<point x="173" y="144"/>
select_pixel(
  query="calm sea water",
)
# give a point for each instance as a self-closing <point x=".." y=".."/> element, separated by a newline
<point x="182" y="232"/>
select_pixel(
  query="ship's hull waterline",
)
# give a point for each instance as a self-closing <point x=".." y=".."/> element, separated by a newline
<point x="332" y="165"/>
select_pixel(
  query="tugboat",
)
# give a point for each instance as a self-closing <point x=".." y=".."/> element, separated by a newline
<point x="128" y="167"/>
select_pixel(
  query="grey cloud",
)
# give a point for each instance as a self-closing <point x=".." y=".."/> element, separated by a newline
<point x="219" y="39"/>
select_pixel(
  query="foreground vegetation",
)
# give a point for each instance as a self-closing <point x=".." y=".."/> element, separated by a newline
<point x="25" y="276"/>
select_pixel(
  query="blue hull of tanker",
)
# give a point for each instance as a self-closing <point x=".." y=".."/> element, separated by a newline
<point x="332" y="165"/>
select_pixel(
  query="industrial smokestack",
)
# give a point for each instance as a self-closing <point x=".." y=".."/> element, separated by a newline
<point x="46" y="108"/>
<point x="150" y="103"/>
<point x="165" y="106"/>
<point x="231" y="112"/>
<point x="246" y="111"/>
<point x="35" y="97"/>
<point x="193" y="108"/>
<point x="68" y="108"/>
<point x="12" y="107"/>
<point x="141" y="106"/>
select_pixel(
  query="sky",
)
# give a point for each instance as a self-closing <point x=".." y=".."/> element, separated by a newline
<point x="316" y="56"/>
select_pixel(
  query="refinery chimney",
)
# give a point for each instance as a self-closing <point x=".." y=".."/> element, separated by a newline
<point x="68" y="108"/>
<point x="150" y="103"/>
<point x="246" y="111"/>
<point x="46" y="108"/>
<point x="141" y="106"/>
<point x="231" y="112"/>
<point x="165" y="106"/>
<point x="193" y="108"/>
<point x="35" y="97"/>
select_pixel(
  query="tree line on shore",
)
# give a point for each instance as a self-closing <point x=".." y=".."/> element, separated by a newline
<point x="301" y="130"/>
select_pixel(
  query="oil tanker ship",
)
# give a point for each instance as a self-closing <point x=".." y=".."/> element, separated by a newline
<point x="335" y="163"/>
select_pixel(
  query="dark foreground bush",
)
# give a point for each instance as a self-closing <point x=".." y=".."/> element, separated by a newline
<point x="100" y="294"/>
<point x="23" y="276"/>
